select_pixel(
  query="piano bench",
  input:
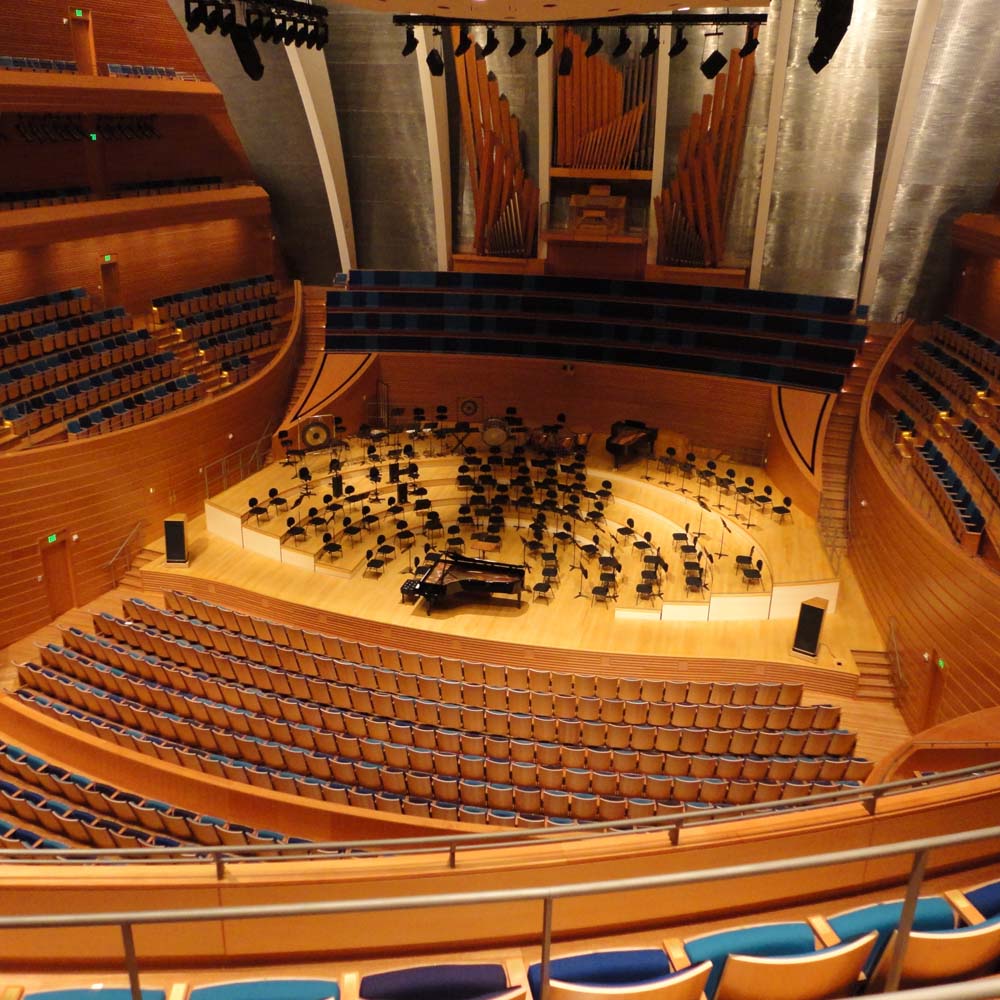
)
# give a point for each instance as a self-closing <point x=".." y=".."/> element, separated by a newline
<point x="410" y="591"/>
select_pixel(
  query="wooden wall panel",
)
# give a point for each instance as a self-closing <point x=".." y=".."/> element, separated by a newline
<point x="976" y="296"/>
<point x="944" y="602"/>
<point x="722" y="415"/>
<point x="151" y="262"/>
<point x="101" y="487"/>
<point x="124" y="32"/>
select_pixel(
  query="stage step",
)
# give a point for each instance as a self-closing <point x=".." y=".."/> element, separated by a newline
<point x="876" y="681"/>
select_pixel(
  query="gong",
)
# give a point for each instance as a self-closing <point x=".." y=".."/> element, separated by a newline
<point x="315" y="434"/>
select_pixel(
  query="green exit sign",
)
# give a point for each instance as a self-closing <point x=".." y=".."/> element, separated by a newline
<point x="93" y="137"/>
<point x="107" y="258"/>
<point x="78" y="12"/>
<point x="51" y="539"/>
<point x="940" y="663"/>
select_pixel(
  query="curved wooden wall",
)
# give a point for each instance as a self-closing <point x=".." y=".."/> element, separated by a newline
<point x="945" y="603"/>
<point x="99" y="488"/>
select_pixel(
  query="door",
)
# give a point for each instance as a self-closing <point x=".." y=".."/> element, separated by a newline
<point x="57" y="575"/>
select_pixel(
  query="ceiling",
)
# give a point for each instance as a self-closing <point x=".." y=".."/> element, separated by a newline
<point x="495" y="11"/>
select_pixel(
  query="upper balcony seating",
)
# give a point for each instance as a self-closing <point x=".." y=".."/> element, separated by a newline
<point x="37" y="65"/>
<point x="43" y="308"/>
<point x="14" y="837"/>
<point x="170" y="307"/>
<point x="951" y="494"/>
<point x="926" y="399"/>
<point x="132" y="189"/>
<point x="731" y="332"/>
<point x="12" y="200"/>
<point x="965" y="382"/>
<point x="968" y="342"/>
<point x="59" y="334"/>
<point x="148" y="72"/>
<point x="235" y="341"/>
<point x="144" y="405"/>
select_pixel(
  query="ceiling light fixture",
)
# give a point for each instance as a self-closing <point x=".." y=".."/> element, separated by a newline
<point x="492" y="42"/>
<point x="652" y="43"/>
<point x="596" y="44"/>
<point x="680" y="44"/>
<point x="624" y="44"/>
<point x="410" y="45"/>
<point x="464" y="42"/>
<point x="751" y="43"/>
<point x="544" y="45"/>
<point x="517" y="45"/>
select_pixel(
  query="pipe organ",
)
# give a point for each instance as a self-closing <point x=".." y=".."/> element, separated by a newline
<point x="692" y="211"/>
<point x="506" y="200"/>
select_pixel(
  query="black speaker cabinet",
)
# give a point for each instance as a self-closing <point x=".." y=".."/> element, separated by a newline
<point x="401" y="493"/>
<point x="175" y="536"/>
<point x="394" y="472"/>
<point x="810" y="623"/>
<point x="337" y="485"/>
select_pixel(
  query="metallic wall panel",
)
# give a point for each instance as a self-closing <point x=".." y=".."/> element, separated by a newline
<point x="830" y="149"/>
<point x="381" y="115"/>
<point x="518" y="79"/>
<point x="952" y="160"/>
<point x="271" y="124"/>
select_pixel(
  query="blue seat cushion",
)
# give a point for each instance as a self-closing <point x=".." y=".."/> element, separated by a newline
<point x="269" y="989"/>
<point x="630" y="967"/>
<point x="932" y="914"/>
<point x="986" y="899"/>
<point x="764" y="940"/>
<point x="90" y="994"/>
<point x="436" y="982"/>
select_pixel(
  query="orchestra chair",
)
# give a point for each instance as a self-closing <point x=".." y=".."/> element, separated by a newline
<point x="667" y="462"/>
<point x="273" y="500"/>
<point x="681" y="537"/>
<point x="744" y="562"/>
<point x="754" y="574"/>
<point x="295" y="531"/>
<point x="404" y="535"/>
<point x="644" y="592"/>
<point x="765" y="500"/>
<point x="330" y="547"/>
<point x="618" y="975"/>
<point x="257" y="511"/>
<point x="542" y="589"/>
<point x="313" y="518"/>
<point x="782" y="510"/>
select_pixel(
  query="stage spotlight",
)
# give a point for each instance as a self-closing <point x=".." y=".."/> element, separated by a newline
<point x="566" y="61"/>
<point x="464" y="42"/>
<point x="213" y="20"/>
<point x="517" y="46"/>
<point x="680" y="44"/>
<point x="544" y="45"/>
<point x="435" y="63"/>
<point x="324" y="35"/>
<point x="751" y="43"/>
<point x="652" y="43"/>
<point x="228" y="20"/>
<point x="596" y="44"/>
<point x="255" y="23"/>
<point x="492" y="42"/>
<point x="267" y="29"/>
<point x="302" y="35"/>
<point x="713" y="64"/>
<point x="624" y="44"/>
<point x="195" y="13"/>
<point x="312" y="36"/>
<point x="410" y="45"/>
<point x="832" y="22"/>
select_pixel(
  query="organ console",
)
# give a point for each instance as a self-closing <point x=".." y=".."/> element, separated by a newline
<point x="453" y="573"/>
<point x="628" y="438"/>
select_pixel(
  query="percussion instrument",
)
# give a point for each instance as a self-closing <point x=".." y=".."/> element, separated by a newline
<point x="315" y="434"/>
<point x="495" y="431"/>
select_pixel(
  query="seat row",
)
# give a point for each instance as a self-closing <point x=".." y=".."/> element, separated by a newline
<point x="42" y="339"/>
<point x="226" y="317"/>
<point x="195" y="300"/>
<point x="37" y="65"/>
<point x="304" y="748"/>
<point x="143" y="405"/>
<point x="968" y="342"/>
<point x="41" y="308"/>
<point x="952" y="495"/>
<point x="374" y="691"/>
<point x="132" y="189"/>
<point x="29" y="413"/>
<point x="929" y="402"/>
<point x="981" y="453"/>
<point x="113" y="803"/>
<point x="956" y="376"/>
<point x="13" y="200"/>
<point x="496" y="675"/>
<point x="236" y="341"/>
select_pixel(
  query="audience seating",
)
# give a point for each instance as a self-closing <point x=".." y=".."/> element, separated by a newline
<point x="634" y="972"/>
<point x="170" y="307"/>
<point x="966" y="383"/>
<point x="268" y="989"/>
<point x="37" y="65"/>
<point x="145" y="405"/>
<point x="132" y="189"/>
<point x="249" y="311"/>
<point x="150" y="72"/>
<point x="966" y="341"/>
<point x="928" y="401"/>
<point x="12" y="200"/>
<point x="441" y="982"/>
<point x="952" y="496"/>
<point x="42" y="308"/>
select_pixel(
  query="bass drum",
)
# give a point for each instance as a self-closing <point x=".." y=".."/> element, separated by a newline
<point x="495" y="432"/>
<point x="315" y="434"/>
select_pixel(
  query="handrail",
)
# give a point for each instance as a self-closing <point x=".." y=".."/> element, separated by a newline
<point x="897" y="668"/>
<point x="253" y="464"/>
<point x="128" y="538"/>
<point x="920" y="848"/>
<point x="868" y="796"/>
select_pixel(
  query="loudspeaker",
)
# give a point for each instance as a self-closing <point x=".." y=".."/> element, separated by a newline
<point x="810" y="623"/>
<point x="246" y="51"/>
<point x="175" y="536"/>
<point x="394" y="472"/>
<point x="401" y="493"/>
<point x="337" y="485"/>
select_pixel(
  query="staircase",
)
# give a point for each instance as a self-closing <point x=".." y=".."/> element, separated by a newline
<point x="313" y="340"/>
<point x="875" y="683"/>
<point x="131" y="577"/>
<point x="837" y="445"/>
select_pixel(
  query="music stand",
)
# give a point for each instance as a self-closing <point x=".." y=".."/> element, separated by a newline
<point x="375" y="475"/>
<point x="305" y="476"/>
<point x="584" y="575"/>
<point x="722" y="539"/>
<point x="701" y="517"/>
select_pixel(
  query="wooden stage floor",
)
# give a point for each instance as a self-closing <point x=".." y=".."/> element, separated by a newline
<point x="792" y="554"/>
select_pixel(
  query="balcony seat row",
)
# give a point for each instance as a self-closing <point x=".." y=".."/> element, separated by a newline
<point x="29" y="413"/>
<point x="202" y="324"/>
<point x="13" y="200"/>
<point x="195" y="300"/>
<point x="42" y="308"/>
<point x="952" y="495"/>
<point x="37" y="65"/>
<point x="144" y="405"/>
<point x="981" y="453"/>
<point x="113" y="803"/>
<point x="966" y="341"/>
<point x="957" y="377"/>
<point x="496" y="675"/>
<point x="133" y="189"/>
<point x="927" y="400"/>
<point x="236" y="341"/>
<point x="44" y="338"/>
<point x="408" y="696"/>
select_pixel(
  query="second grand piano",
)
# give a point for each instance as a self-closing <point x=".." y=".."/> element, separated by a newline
<point x="628" y="438"/>
<point x="453" y="573"/>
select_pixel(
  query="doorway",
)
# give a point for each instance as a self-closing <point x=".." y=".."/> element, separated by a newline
<point x="57" y="575"/>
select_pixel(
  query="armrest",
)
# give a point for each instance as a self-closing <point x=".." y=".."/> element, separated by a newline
<point x="350" y="986"/>
<point x="11" y="993"/>
<point x="825" y="934"/>
<point x="674" y="948"/>
<point x="961" y="905"/>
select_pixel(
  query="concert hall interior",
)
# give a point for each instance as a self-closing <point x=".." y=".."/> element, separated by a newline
<point x="499" y="499"/>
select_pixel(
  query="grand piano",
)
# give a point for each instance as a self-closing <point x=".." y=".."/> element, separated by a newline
<point x="628" y="438"/>
<point x="453" y="573"/>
